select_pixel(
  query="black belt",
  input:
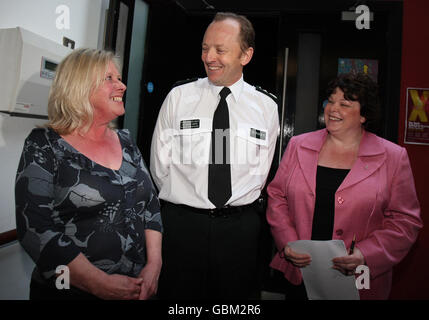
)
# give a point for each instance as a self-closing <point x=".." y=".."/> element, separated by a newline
<point x="217" y="212"/>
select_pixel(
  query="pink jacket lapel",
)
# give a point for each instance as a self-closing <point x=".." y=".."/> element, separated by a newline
<point x="308" y="155"/>
<point x="370" y="157"/>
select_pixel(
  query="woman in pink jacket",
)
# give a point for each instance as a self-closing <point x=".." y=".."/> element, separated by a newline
<point x="343" y="181"/>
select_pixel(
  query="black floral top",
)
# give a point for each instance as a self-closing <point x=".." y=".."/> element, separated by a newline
<point x="67" y="204"/>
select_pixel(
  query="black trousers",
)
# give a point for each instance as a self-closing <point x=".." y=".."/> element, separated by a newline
<point x="291" y="291"/>
<point x="209" y="257"/>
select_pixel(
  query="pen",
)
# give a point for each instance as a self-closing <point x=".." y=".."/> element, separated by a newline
<point x="352" y="247"/>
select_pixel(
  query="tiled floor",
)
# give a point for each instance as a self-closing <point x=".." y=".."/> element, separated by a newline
<point x="265" y="295"/>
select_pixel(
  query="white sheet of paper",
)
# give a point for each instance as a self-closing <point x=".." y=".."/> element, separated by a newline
<point x="321" y="281"/>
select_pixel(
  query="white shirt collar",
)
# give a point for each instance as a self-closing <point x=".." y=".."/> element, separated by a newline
<point x="236" y="88"/>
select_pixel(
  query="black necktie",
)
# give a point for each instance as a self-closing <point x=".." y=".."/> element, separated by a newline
<point x="219" y="188"/>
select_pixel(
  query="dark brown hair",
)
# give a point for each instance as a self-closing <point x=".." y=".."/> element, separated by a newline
<point x="360" y="87"/>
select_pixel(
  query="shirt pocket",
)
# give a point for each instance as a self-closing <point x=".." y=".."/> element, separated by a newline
<point x="192" y="139"/>
<point x="251" y="144"/>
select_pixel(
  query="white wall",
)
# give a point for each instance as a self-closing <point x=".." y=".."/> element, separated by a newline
<point x="13" y="131"/>
<point x="16" y="267"/>
<point x="87" y="20"/>
<point x="39" y="16"/>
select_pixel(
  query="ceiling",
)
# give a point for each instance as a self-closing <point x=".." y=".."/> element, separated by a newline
<point x="201" y="6"/>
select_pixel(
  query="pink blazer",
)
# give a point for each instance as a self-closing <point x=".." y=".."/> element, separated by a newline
<point x="377" y="201"/>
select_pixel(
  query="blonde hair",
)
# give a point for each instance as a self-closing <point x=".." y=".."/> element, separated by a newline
<point x="77" y="76"/>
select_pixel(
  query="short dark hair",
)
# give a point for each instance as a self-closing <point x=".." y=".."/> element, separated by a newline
<point x="360" y="87"/>
<point x="247" y="33"/>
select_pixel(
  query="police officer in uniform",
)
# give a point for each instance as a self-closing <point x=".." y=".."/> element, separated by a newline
<point x="211" y="152"/>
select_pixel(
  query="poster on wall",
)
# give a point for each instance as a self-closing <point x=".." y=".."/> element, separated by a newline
<point x="368" y="66"/>
<point x="417" y="115"/>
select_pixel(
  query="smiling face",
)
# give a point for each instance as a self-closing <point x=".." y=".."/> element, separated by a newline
<point x="221" y="53"/>
<point x="106" y="100"/>
<point x="342" y="116"/>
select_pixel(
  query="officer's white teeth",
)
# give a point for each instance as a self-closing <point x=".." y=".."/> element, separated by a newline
<point x="117" y="99"/>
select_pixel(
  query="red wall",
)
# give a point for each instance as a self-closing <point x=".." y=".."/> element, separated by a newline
<point x="411" y="276"/>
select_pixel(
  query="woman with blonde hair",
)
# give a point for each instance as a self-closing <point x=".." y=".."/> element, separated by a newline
<point x="84" y="198"/>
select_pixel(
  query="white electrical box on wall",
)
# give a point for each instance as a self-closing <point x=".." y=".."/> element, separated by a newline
<point x="27" y="66"/>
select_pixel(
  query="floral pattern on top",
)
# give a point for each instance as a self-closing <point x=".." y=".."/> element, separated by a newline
<point x="67" y="204"/>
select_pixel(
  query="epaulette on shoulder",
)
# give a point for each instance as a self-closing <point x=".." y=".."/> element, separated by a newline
<point x="258" y="88"/>
<point x="180" y="82"/>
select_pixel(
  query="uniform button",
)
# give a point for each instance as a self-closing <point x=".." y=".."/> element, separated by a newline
<point x="340" y="200"/>
<point x="339" y="232"/>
